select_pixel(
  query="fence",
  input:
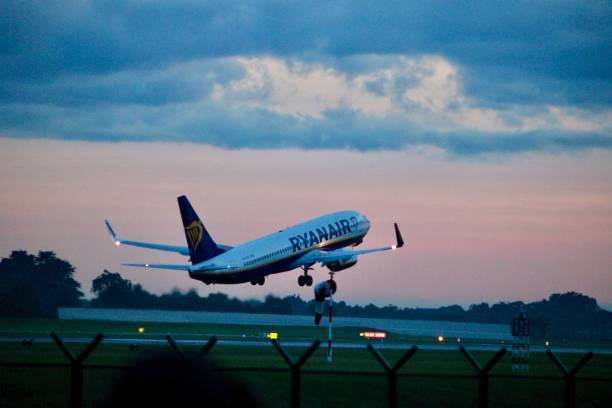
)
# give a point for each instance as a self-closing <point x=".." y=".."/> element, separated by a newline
<point x="391" y="371"/>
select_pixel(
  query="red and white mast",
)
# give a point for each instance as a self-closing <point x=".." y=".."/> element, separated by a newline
<point x="329" y="331"/>
<point x="325" y="290"/>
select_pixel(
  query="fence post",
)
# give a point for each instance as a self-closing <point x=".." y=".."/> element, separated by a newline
<point x="205" y="349"/>
<point x="569" y="376"/>
<point x="392" y="371"/>
<point x="295" y="369"/>
<point x="483" y="374"/>
<point x="76" y="367"/>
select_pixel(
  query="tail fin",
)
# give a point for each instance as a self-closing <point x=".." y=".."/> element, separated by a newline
<point x="201" y="245"/>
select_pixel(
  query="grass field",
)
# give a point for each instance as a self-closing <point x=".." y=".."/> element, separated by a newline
<point x="42" y="327"/>
<point x="49" y="387"/>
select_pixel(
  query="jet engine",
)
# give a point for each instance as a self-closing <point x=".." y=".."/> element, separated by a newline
<point x="322" y="291"/>
<point x="336" y="266"/>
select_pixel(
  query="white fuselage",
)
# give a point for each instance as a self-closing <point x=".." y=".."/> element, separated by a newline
<point x="283" y="250"/>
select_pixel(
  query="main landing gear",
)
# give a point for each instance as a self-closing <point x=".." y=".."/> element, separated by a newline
<point x="259" y="281"/>
<point x="305" y="279"/>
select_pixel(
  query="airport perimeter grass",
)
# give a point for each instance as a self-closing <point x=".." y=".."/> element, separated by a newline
<point x="49" y="387"/>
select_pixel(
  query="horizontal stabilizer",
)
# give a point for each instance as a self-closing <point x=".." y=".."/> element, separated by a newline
<point x="160" y="266"/>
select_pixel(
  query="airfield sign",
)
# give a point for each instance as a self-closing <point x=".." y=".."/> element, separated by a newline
<point x="520" y="343"/>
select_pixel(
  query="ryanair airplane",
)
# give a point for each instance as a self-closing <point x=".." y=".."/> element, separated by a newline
<point x="321" y="240"/>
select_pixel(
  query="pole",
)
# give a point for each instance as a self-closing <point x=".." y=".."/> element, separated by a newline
<point x="569" y="375"/>
<point x="295" y="368"/>
<point x="483" y="374"/>
<point x="76" y="367"/>
<point x="392" y="372"/>
<point x="329" y="331"/>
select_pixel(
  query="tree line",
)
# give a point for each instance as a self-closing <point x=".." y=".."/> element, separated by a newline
<point x="36" y="285"/>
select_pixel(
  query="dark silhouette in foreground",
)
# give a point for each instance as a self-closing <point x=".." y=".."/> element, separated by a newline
<point x="169" y="380"/>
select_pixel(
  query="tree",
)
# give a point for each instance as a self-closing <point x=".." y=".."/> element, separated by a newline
<point x="111" y="290"/>
<point x="36" y="285"/>
<point x="276" y="305"/>
<point x="55" y="283"/>
<point x="479" y="312"/>
<point x="572" y="315"/>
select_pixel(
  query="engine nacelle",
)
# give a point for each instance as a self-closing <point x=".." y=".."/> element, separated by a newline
<point x="336" y="266"/>
<point x="325" y="289"/>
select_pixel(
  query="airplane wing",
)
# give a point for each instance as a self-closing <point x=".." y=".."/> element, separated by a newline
<point x="342" y="255"/>
<point x="160" y="266"/>
<point x="160" y="247"/>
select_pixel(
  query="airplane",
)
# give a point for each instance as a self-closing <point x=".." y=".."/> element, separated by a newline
<point x="321" y="240"/>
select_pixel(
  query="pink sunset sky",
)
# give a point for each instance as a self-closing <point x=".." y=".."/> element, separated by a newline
<point x="498" y="229"/>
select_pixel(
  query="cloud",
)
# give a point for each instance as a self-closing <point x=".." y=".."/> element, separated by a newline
<point x="185" y="82"/>
<point x="475" y="79"/>
<point x="258" y="128"/>
<point x="564" y="39"/>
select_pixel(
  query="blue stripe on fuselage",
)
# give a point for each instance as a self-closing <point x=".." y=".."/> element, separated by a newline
<point x="280" y="265"/>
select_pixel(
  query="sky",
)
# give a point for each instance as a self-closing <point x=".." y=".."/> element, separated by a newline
<point x="483" y="128"/>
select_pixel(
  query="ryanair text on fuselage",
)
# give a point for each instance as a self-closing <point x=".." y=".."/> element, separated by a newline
<point x="311" y="238"/>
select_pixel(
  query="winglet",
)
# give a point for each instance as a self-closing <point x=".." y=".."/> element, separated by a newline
<point x="398" y="236"/>
<point x="112" y="232"/>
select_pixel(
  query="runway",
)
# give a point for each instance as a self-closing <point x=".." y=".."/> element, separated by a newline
<point x="301" y="344"/>
<point x="426" y="328"/>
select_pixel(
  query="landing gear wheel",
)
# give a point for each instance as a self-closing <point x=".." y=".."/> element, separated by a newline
<point x="261" y="281"/>
<point x="305" y="279"/>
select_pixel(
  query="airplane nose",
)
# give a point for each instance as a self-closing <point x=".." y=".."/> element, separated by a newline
<point x="365" y="222"/>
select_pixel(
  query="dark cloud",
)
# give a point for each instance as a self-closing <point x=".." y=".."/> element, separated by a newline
<point x="499" y="87"/>
<point x="179" y="83"/>
<point x="561" y="39"/>
<point x="126" y="70"/>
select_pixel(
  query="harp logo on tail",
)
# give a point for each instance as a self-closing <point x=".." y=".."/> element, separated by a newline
<point x="194" y="232"/>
